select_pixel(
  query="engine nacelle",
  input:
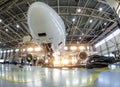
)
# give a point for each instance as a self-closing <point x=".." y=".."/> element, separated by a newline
<point x="46" y="26"/>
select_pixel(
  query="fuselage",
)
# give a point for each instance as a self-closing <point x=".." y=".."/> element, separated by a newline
<point x="46" y="26"/>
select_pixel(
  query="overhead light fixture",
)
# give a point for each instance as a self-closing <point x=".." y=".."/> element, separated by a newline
<point x="6" y="30"/>
<point x="81" y="47"/>
<point x="38" y="49"/>
<point x="23" y="50"/>
<point x="16" y="50"/>
<point x="8" y="51"/>
<point x="73" y="19"/>
<point x="65" y="48"/>
<point x="88" y="47"/>
<point x="0" y="20"/>
<point x="30" y="49"/>
<point x="91" y="21"/>
<point x="78" y="10"/>
<point x="82" y="34"/>
<point x="73" y="48"/>
<point x="17" y="26"/>
<point x="79" y="37"/>
<point x="105" y="23"/>
<point x="11" y="50"/>
<point x="100" y="9"/>
<point x="5" y="51"/>
<point x="1" y="51"/>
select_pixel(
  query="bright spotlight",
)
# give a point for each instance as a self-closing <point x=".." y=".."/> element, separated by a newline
<point x="0" y="20"/>
<point x="105" y="23"/>
<point x="6" y="30"/>
<point x="79" y="10"/>
<point x="16" y="50"/>
<point x="30" y="49"/>
<point x="46" y="61"/>
<point x="17" y="26"/>
<point x="23" y="50"/>
<point x="91" y="21"/>
<point x="4" y="51"/>
<point x="56" y="62"/>
<point x="81" y="47"/>
<point x="100" y="9"/>
<point x="73" y="48"/>
<point x="73" y="19"/>
<point x="65" y="48"/>
<point x="11" y="50"/>
<point x="65" y="61"/>
<point x="8" y="51"/>
<point x="37" y="49"/>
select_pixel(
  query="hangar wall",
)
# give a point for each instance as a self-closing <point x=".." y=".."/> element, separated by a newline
<point x="109" y="44"/>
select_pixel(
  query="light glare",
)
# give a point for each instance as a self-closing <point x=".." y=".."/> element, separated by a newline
<point x="73" y="48"/>
<point x="79" y="10"/>
<point x="56" y="62"/>
<point x="65" y="48"/>
<point x="100" y="9"/>
<point x="65" y="61"/>
<point x="30" y="49"/>
<point x="81" y="47"/>
<point x="105" y="23"/>
<point x="91" y="21"/>
<point x="17" y="50"/>
<point x="6" y="30"/>
<point x="17" y="26"/>
<point x="0" y="20"/>
<point x="37" y="49"/>
<point x="73" y="19"/>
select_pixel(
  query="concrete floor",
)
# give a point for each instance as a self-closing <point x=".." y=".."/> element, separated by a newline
<point x="13" y="76"/>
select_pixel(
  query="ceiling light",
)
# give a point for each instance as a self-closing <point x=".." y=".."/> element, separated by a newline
<point x="65" y="48"/>
<point x="23" y="50"/>
<point x="16" y="50"/>
<point x="30" y="49"/>
<point x="8" y="51"/>
<point x="73" y="19"/>
<point x="0" y="20"/>
<point x="105" y="23"/>
<point x="11" y="50"/>
<point x="6" y="30"/>
<point x="82" y="34"/>
<point x="79" y="37"/>
<point x="17" y="26"/>
<point x="4" y="51"/>
<point x="91" y="21"/>
<point x="38" y="49"/>
<point x="81" y="47"/>
<point x="100" y="9"/>
<point x="88" y="47"/>
<point x="73" y="48"/>
<point x="79" y="10"/>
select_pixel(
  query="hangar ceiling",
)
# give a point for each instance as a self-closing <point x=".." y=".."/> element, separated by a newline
<point x="85" y="20"/>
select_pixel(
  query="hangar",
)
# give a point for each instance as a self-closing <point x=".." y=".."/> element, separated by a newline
<point x="59" y="43"/>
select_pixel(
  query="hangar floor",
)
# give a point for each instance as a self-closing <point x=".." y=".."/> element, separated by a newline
<point x="31" y="76"/>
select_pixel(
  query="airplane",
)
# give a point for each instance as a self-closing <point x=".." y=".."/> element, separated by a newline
<point x="48" y="30"/>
